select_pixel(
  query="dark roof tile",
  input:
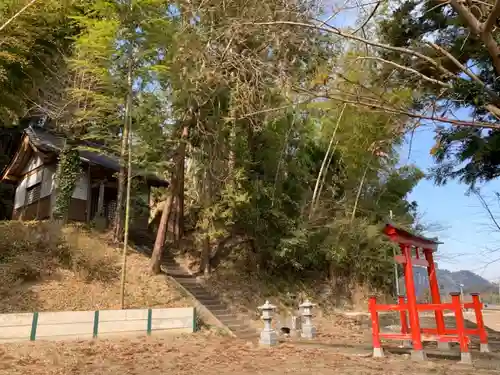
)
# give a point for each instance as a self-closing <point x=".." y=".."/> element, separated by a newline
<point x="49" y="142"/>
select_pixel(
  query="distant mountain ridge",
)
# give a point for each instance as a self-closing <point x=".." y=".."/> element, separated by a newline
<point x="471" y="281"/>
<point x="450" y="281"/>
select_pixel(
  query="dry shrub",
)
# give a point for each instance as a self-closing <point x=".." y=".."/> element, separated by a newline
<point x="27" y="251"/>
<point x="359" y="297"/>
<point x="245" y="291"/>
<point x="88" y="258"/>
<point x="31" y="251"/>
<point x="48" y="267"/>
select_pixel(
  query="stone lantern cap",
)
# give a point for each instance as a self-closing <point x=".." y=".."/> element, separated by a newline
<point x="267" y="306"/>
<point x="307" y="304"/>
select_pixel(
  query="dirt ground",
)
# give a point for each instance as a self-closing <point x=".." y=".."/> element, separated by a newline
<point x="200" y="353"/>
<point x="208" y="353"/>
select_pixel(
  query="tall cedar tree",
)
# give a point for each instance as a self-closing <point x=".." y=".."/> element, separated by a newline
<point x="114" y="71"/>
<point x="227" y="77"/>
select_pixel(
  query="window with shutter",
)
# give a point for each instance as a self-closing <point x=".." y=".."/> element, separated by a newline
<point x="33" y="194"/>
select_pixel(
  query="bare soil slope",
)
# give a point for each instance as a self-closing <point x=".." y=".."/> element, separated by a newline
<point x="45" y="267"/>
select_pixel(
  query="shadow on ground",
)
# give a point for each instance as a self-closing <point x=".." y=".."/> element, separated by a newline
<point x="354" y="346"/>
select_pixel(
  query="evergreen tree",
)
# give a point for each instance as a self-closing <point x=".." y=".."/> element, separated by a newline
<point x="115" y="67"/>
<point x="32" y="55"/>
<point x="214" y="95"/>
<point x="460" y="73"/>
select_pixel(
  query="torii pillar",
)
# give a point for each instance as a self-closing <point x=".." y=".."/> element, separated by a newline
<point x="436" y="297"/>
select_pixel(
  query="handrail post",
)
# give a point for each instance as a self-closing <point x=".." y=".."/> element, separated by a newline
<point x="483" y="336"/>
<point x="463" y="339"/>
<point x="436" y="298"/>
<point x="404" y="320"/>
<point x="378" y="352"/>
<point x="417" y="353"/>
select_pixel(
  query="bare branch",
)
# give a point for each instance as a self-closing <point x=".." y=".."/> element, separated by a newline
<point x="370" y="103"/>
<point x="487" y="26"/>
<point x="457" y="63"/>
<point x="423" y="76"/>
<point x="21" y="11"/>
<point x="336" y="31"/>
<point x="373" y="105"/>
<point x="368" y="19"/>
<point x="477" y="28"/>
<point x="493" y="109"/>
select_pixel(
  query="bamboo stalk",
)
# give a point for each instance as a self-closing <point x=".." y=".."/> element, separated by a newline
<point x="17" y="14"/>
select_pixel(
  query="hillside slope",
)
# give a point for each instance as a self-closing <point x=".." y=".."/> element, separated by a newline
<point x="44" y="267"/>
<point x="451" y="281"/>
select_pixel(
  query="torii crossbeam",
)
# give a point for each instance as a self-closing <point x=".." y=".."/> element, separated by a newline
<point x="412" y="248"/>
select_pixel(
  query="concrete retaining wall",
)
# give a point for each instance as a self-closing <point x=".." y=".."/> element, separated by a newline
<point x="83" y="325"/>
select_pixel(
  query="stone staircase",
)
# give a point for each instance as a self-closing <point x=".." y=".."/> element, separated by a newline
<point x="212" y="310"/>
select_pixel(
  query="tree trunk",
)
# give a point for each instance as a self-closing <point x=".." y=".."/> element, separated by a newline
<point x="179" y="201"/>
<point x="157" y="256"/>
<point x="232" y="154"/>
<point x="205" y="256"/>
<point x="206" y="189"/>
<point x="122" y="176"/>
<point x="175" y="183"/>
<point x="323" y="170"/>
<point x="358" y="195"/>
<point x="174" y="220"/>
<point x="127" y="216"/>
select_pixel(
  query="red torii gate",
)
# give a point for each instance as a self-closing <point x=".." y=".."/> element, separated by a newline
<point x="414" y="332"/>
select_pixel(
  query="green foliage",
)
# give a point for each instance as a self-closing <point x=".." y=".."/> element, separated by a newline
<point x="253" y="155"/>
<point x="113" y="34"/>
<point x="470" y="155"/>
<point x="67" y="175"/>
<point x="33" y="48"/>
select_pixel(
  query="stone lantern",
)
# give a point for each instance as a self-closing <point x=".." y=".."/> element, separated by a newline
<point x="308" y="330"/>
<point x="268" y="336"/>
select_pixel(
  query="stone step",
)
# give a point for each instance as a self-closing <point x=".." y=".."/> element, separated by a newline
<point x="174" y="273"/>
<point x="232" y="321"/>
<point x="236" y="324"/>
<point x="221" y="312"/>
<point x="186" y="278"/>
<point x="215" y="304"/>
<point x="211" y="305"/>
<point x="206" y="298"/>
<point x="203" y="296"/>
<point x="227" y="316"/>
<point x="172" y="266"/>
<point x="247" y="335"/>
<point x="197" y="289"/>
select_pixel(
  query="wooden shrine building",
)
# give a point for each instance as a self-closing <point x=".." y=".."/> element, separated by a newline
<point x="33" y="167"/>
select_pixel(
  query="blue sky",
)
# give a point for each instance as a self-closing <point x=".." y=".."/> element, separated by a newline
<point x="458" y="220"/>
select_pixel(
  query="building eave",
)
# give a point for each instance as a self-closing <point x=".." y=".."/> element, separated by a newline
<point x="22" y="156"/>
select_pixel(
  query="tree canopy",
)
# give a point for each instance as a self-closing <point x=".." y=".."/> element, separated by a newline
<point x="458" y="79"/>
<point x="254" y="120"/>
